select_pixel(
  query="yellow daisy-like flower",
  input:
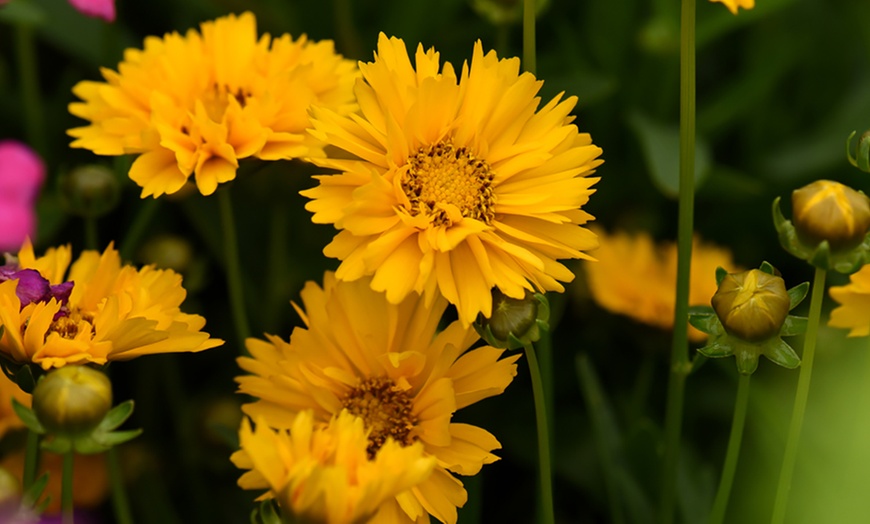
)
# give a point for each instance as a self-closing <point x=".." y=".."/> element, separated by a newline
<point x="853" y="312"/>
<point x="8" y="418"/>
<point x="454" y="184"/>
<point x="322" y="473"/>
<point x="101" y="311"/>
<point x="197" y="104"/>
<point x="636" y="278"/>
<point x="733" y="5"/>
<point x="386" y="364"/>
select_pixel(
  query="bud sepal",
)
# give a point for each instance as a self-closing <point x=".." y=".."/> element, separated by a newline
<point x="861" y="160"/>
<point x="514" y="323"/>
<point x="725" y="342"/>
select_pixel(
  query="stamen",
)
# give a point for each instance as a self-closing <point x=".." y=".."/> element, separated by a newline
<point x="386" y="411"/>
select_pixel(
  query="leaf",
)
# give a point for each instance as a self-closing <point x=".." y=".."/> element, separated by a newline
<point x="797" y="294"/>
<point x="793" y="326"/>
<point x="661" y="148"/>
<point x="34" y="492"/>
<point x="28" y="417"/>
<point x="116" y="416"/>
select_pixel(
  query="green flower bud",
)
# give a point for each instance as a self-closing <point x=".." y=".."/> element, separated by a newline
<point x="861" y="160"/>
<point x="168" y="252"/>
<point x="90" y="191"/>
<point x="752" y="305"/>
<point x="514" y="322"/>
<point x="829" y="211"/>
<point x="72" y="400"/>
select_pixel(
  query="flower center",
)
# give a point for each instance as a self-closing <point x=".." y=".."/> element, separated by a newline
<point x="68" y="326"/>
<point x="385" y="410"/>
<point x="448" y="183"/>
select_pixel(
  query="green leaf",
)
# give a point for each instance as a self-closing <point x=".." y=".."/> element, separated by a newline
<point x="28" y="417"/>
<point x="793" y="326"/>
<point x="116" y="416"/>
<point x="797" y="294"/>
<point x="34" y="492"/>
<point x="661" y="148"/>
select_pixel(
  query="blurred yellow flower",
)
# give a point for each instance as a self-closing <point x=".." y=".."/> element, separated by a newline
<point x="101" y="311"/>
<point x="454" y="184"/>
<point x="197" y="104"/>
<point x="8" y="418"/>
<point x="733" y="5"/>
<point x="636" y="278"/>
<point x="322" y="473"/>
<point x="386" y="364"/>
<point x="853" y="312"/>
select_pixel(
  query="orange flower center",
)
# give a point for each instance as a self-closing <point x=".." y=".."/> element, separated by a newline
<point x="68" y="326"/>
<point x="386" y="411"/>
<point x="449" y="183"/>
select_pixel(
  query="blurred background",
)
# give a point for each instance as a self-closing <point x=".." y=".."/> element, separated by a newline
<point x="779" y="88"/>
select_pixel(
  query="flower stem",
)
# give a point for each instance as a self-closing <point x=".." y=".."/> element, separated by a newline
<point x="120" y="502"/>
<point x="546" y="477"/>
<point x="680" y="365"/>
<point x="234" y="271"/>
<point x="800" y="399"/>
<point x="138" y="227"/>
<point x="92" y="238"/>
<point x="720" y="504"/>
<point x="66" y="487"/>
<point x="34" y="124"/>
<point x="31" y="459"/>
<point x="529" y="60"/>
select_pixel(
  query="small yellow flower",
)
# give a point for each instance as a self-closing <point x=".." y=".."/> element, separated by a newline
<point x="454" y="182"/>
<point x="386" y="364"/>
<point x="197" y="104"/>
<point x="637" y="278"/>
<point x="733" y="5"/>
<point x="853" y="312"/>
<point x="8" y="418"/>
<point x="322" y="473"/>
<point x="101" y="311"/>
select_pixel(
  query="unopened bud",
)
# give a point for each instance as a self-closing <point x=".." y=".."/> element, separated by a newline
<point x="514" y="322"/>
<point x="90" y="191"/>
<point x="827" y="210"/>
<point x="752" y="305"/>
<point x="72" y="400"/>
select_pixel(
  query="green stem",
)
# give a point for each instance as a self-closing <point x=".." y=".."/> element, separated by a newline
<point x="34" y="124"/>
<point x="529" y="60"/>
<point x="720" y="505"/>
<point x="120" y="502"/>
<point x="138" y="228"/>
<point x="546" y="476"/>
<point x="680" y="365"/>
<point x="92" y="237"/>
<point x="234" y="269"/>
<point x="66" y="488"/>
<point x="502" y="39"/>
<point x="31" y="459"/>
<point x="800" y="400"/>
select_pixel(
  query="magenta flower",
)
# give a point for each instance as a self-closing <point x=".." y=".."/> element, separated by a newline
<point x="21" y="176"/>
<point x="104" y="9"/>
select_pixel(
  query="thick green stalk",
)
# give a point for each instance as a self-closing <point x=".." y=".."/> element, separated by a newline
<point x="234" y="268"/>
<point x="31" y="101"/>
<point x="529" y="58"/>
<point x="720" y="504"/>
<point x="31" y="459"/>
<point x="66" y="488"/>
<point x="680" y="365"/>
<point x="120" y="502"/>
<point x="800" y="400"/>
<point x="546" y="477"/>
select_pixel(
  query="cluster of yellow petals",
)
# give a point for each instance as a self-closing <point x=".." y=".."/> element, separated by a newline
<point x="196" y="104"/>
<point x="637" y="278"/>
<point x="322" y="473"/>
<point x="116" y="312"/>
<point x="853" y="313"/>
<point x="355" y="342"/>
<point x="734" y="5"/>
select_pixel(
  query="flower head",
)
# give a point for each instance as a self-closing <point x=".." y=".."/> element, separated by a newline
<point x="635" y="277"/>
<point x="733" y="5"/>
<point x="197" y="104"/>
<point x="853" y="313"/>
<point x="384" y="363"/>
<point x="21" y="175"/>
<point x="322" y="473"/>
<point x="100" y="311"/>
<point x="454" y="183"/>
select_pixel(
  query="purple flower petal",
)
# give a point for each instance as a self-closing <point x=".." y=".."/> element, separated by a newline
<point x="32" y="287"/>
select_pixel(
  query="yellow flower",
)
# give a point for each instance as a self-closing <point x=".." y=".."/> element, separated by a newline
<point x="636" y="278"/>
<point x="854" y="299"/>
<point x="454" y="184"/>
<point x="8" y="418"/>
<point x="385" y="363"/>
<point x="101" y="311"/>
<point x="323" y="473"/>
<point x="733" y="5"/>
<point x="197" y="104"/>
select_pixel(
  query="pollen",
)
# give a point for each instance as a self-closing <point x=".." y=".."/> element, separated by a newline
<point x="442" y="176"/>
<point x="386" y="411"/>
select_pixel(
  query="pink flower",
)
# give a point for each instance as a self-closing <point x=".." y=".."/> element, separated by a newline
<point x="21" y="176"/>
<point x="104" y="9"/>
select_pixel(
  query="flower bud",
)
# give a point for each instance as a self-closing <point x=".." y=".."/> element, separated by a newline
<point x="514" y="322"/>
<point x="72" y="400"/>
<point x="861" y="160"/>
<point x="752" y="305"/>
<point x="168" y="252"/>
<point x="826" y="210"/>
<point x="90" y="191"/>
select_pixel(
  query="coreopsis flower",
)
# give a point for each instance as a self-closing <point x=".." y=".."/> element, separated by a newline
<point x="21" y="175"/>
<point x="322" y="473"/>
<point x="733" y="5"/>
<point x="853" y="312"/>
<point x="98" y="312"/>
<point x="195" y="105"/>
<point x="384" y="363"/>
<point x="637" y="278"/>
<point x="454" y="183"/>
